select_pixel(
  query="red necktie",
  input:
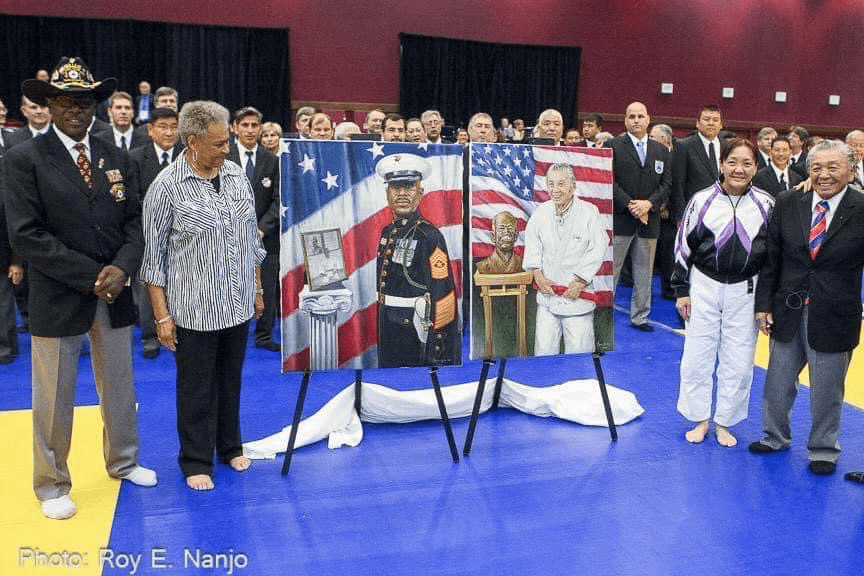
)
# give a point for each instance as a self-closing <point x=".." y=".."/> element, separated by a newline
<point x="84" y="164"/>
<point x="817" y="229"/>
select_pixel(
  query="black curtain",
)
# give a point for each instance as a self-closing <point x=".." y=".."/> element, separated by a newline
<point x="234" y="66"/>
<point x="461" y="77"/>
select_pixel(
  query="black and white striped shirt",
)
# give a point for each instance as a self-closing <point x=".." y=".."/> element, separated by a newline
<point x="202" y="245"/>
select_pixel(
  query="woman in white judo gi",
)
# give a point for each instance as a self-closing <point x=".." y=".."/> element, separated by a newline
<point x="718" y="252"/>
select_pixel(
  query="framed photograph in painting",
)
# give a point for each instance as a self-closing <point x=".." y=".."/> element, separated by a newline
<point x="323" y="257"/>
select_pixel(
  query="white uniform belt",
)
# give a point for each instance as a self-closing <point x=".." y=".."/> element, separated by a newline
<point x="396" y="301"/>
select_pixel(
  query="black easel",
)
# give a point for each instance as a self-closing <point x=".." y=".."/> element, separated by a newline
<point x="298" y="412"/>
<point x="433" y="374"/>
<point x="481" y="385"/>
<point x="358" y="381"/>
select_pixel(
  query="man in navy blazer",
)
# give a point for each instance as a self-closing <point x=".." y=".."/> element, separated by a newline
<point x="263" y="174"/>
<point x="808" y="299"/>
<point x="642" y="179"/>
<point x="778" y="175"/>
<point x="696" y="159"/>
<point x="73" y="214"/>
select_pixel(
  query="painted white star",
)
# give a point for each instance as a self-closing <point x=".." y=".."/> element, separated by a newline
<point x="517" y="161"/>
<point x="526" y="152"/>
<point x="376" y="149"/>
<point x="308" y="163"/>
<point x="526" y="171"/>
<point x="498" y="160"/>
<point x="506" y="150"/>
<point x="507" y="170"/>
<point x="423" y="146"/>
<point x="487" y="149"/>
<point x="330" y="180"/>
<point x="282" y="210"/>
<point x="526" y="191"/>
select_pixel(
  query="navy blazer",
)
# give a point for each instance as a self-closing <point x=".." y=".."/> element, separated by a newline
<point x="766" y="179"/>
<point x="148" y="166"/>
<point x="832" y="281"/>
<point x="265" y="185"/>
<point x="692" y="171"/>
<point x="67" y="232"/>
<point x="635" y="182"/>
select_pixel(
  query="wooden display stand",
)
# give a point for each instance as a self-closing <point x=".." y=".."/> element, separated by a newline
<point x="497" y="285"/>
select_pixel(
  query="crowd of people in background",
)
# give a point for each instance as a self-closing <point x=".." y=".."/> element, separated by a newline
<point x="710" y="209"/>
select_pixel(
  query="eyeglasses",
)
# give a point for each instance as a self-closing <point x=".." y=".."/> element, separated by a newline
<point x="66" y="101"/>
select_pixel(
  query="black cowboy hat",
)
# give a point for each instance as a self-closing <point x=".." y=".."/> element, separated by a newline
<point x="70" y="76"/>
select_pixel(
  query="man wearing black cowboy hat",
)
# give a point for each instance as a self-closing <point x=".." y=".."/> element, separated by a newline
<point x="73" y="213"/>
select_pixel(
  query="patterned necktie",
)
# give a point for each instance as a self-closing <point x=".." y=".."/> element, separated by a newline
<point x="250" y="166"/>
<point x="84" y="164"/>
<point x="640" y="148"/>
<point x="164" y="160"/>
<point x="817" y="229"/>
<point x="123" y="143"/>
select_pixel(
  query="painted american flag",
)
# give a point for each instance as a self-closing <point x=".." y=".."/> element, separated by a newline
<point x="332" y="184"/>
<point x="512" y="177"/>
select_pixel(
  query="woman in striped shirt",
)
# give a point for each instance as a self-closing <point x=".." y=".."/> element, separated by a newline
<point x="201" y="268"/>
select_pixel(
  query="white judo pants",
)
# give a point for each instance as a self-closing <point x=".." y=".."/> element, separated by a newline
<point x="722" y="330"/>
<point x="578" y="332"/>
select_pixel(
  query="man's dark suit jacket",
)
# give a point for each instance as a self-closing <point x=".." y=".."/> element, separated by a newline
<point x="17" y="136"/>
<point x="766" y="179"/>
<point x="635" y="182"/>
<point x="800" y="165"/>
<point x="832" y="280"/>
<point x="691" y="172"/>
<point x="147" y="165"/>
<point x="67" y="232"/>
<point x="107" y="134"/>
<point x="761" y="163"/>
<point x="265" y="184"/>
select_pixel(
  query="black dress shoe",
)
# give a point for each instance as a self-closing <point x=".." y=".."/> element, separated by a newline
<point x="761" y="448"/>
<point x="822" y="467"/>
<point x="271" y="346"/>
<point x="857" y="477"/>
<point x="643" y="327"/>
<point x="151" y="353"/>
<point x="667" y="295"/>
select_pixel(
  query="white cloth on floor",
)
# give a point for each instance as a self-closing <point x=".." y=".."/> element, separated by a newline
<point x="576" y="401"/>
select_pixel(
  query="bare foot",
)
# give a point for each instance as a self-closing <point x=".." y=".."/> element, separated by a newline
<point x="725" y="438"/>
<point x="240" y="463"/>
<point x="697" y="434"/>
<point x="199" y="482"/>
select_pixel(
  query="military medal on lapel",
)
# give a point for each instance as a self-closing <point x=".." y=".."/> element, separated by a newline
<point x="118" y="189"/>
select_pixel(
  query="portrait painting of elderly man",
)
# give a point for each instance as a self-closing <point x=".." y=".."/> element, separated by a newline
<point x="541" y="225"/>
<point x="397" y="207"/>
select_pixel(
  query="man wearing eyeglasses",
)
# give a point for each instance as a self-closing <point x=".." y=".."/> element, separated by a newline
<point x="73" y="214"/>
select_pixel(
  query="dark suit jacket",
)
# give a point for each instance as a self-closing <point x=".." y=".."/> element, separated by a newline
<point x="635" y="182"/>
<point x="17" y="136"/>
<point x="265" y="184"/>
<point x="766" y="179"/>
<point x="762" y="163"/>
<point x="67" y="232"/>
<point x="107" y="134"/>
<point x="147" y="165"/>
<point x="800" y="165"/>
<point x="691" y="172"/>
<point x="832" y="280"/>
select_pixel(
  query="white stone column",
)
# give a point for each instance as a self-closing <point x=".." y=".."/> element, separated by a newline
<point x="323" y="307"/>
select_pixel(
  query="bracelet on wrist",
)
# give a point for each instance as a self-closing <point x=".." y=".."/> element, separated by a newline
<point x="164" y="320"/>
